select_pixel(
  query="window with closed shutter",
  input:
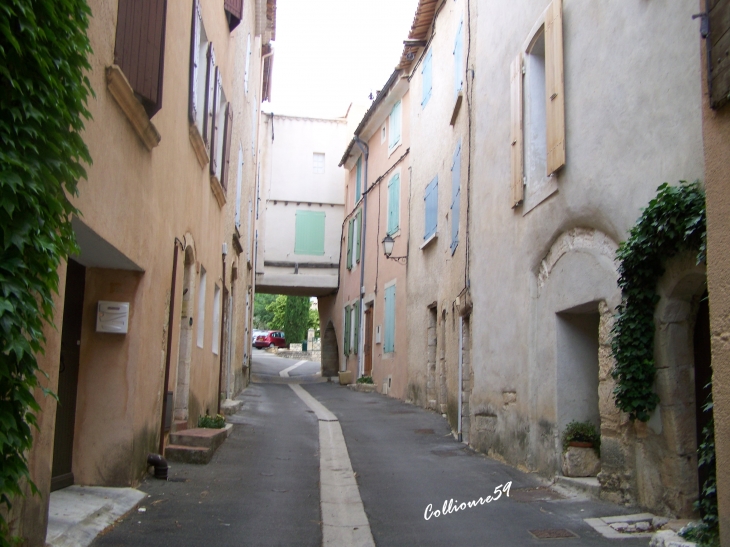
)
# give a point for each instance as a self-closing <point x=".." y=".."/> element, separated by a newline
<point x="234" y="12"/>
<point x="208" y="96"/>
<point x="718" y="49"/>
<point x="395" y="126"/>
<point x="309" y="232"/>
<point x="350" y="229"/>
<point x="358" y="235"/>
<point x="346" y="337"/>
<point x="139" y="49"/>
<point x="430" y="199"/>
<point x="394" y="204"/>
<point x="198" y="45"/>
<point x="389" y="338"/>
<point x="554" y="87"/>
<point x="516" y="136"/>
<point x="355" y="327"/>
<point x="248" y="64"/>
<point x="216" y="125"/>
<point x="358" y="180"/>
<point x="459" y="59"/>
<point x="239" y="179"/>
<point x="455" y="198"/>
<point x="225" y="145"/>
<point x="426" y="78"/>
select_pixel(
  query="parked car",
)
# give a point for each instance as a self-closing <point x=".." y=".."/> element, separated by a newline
<point x="270" y="338"/>
<point x="256" y="333"/>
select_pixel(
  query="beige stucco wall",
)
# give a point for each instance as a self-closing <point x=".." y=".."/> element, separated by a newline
<point x="716" y="132"/>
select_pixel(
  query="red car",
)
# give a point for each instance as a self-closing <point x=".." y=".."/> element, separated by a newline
<point x="271" y="338"/>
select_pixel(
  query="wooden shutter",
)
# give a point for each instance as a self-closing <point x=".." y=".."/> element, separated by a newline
<point x="349" y="244"/>
<point x="395" y="125"/>
<point x="455" y="198"/>
<point x="516" y="135"/>
<point x="555" y="87"/>
<point x="194" y="69"/>
<point x="426" y="78"/>
<point x="431" y="208"/>
<point x="140" y="48"/>
<point x="718" y="50"/>
<point x="358" y="216"/>
<point x="309" y="232"/>
<point x="226" y="157"/>
<point x="458" y="59"/>
<point x="214" y="122"/>
<point x="234" y="12"/>
<point x="346" y="344"/>
<point x="389" y="336"/>
<point x="208" y="102"/>
<point x="393" y="204"/>
<point x="356" y="328"/>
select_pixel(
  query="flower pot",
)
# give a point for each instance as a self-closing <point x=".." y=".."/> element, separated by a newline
<point x="345" y="377"/>
<point x="581" y="444"/>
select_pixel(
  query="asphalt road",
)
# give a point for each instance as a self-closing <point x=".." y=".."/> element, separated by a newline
<point x="262" y="486"/>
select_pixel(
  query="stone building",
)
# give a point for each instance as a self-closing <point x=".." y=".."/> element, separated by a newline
<point x="152" y="314"/>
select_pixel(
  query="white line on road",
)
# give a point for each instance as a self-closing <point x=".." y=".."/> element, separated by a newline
<point x="344" y="521"/>
<point x="285" y="373"/>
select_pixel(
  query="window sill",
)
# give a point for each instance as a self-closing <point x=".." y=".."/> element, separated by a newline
<point x="395" y="147"/>
<point x="198" y="145"/>
<point x="218" y="192"/>
<point x="429" y="240"/>
<point x="457" y="108"/>
<point x="119" y="87"/>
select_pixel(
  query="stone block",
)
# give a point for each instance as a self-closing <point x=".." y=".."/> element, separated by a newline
<point x="673" y="346"/>
<point x="678" y="425"/>
<point x="485" y="422"/>
<point x="673" y="311"/>
<point x="676" y="384"/>
<point x="581" y="462"/>
<point x="509" y="397"/>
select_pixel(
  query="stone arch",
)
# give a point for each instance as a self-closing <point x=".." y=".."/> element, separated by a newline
<point x="182" y="383"/>
<point x="330" y="353"/>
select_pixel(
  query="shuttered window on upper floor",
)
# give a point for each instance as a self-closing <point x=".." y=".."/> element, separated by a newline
<point x="395" y="126"/>
<point x="350" y="232"/>
<point x="431" y="203"/>
<point x="427" y="78"/>
<point x="309" y="232"/>
<point x="346" y="334"/>
<point x="355" y="322"/>
<point x="394" y="204"/>
<point x="234" y="12"/>
<point x="140" y="49"/>
<point x="718" y="48"/>
<point x="389" y="338"/>
<point x="459" y="59"/>
<point x="455" y="198"/>
<point x="358" y="180"/>
<point x="358" y="234"/>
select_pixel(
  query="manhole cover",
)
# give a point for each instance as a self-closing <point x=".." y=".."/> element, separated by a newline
<point x="553" y="533"/>
<point x="425" y="431"/>
<point x="539" y="493"/>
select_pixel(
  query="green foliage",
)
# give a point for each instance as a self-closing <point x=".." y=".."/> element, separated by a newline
<point x="584" y="432"/>
<point x="290" y="314"/>
<point x="43" y="97"/>
<point x="212" y="422"/>
<point x="261" y="316"/>
<point x="365" y="380"/>
<point x="314" y="322"/>
<point x="674" y="221"/>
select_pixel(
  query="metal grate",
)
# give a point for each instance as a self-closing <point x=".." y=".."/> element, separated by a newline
<point x="553" y="533"/>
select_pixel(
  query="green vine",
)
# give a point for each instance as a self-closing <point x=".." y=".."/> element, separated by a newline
<point x="674" y="221"/>
<point x="43" y="95"/>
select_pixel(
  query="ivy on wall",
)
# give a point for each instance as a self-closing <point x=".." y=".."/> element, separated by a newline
<point x="44" y="52"/>
<point x="674" y="221"/>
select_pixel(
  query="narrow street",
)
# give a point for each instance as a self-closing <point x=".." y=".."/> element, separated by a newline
<point x="262" y="487"/>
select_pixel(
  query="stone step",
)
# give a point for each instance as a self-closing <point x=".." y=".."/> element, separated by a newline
<point x="584" y="485"/>
<point x="179" y="425"/>
<point x="229" y="407"/>
<point x="202" y="437"/>
<point x="188" y="454"/>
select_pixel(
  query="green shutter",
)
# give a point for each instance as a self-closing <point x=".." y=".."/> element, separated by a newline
<point x="346" y="344"/>
<point x="358" y="184"/>
<point x="389" y="342"/>
<point x="393" y="204"/>
<point x="356" y="341"/>
<point x="349" y="245"/>
<point x="359" y="236"/>
<point x="309" y="237"/>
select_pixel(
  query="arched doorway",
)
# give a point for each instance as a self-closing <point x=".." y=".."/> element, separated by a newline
<point x="330" y="354"/>
<point x="182" y="388"/>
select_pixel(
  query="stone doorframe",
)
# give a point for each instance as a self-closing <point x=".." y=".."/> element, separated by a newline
<point x="185" y="348"/>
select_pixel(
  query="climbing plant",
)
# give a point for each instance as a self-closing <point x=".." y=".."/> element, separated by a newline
<point x="674" y="221"/>
<point x="44" y="52"/>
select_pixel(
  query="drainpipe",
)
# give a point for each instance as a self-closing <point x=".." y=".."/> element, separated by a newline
<point x="461" y="374"/>
<point x="224" y="252"/>
<point x="361" y="335"/>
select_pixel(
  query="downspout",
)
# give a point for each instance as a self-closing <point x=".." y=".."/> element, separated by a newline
<point x="361" y="335"/>
<point x="224" y="252"/>
<point x="461" y="374"/>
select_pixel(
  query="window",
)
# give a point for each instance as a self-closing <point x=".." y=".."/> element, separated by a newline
<point x="431" y="203"/>
<point x="216" y="318"/>
<point x="234" y="12"/>
<point x="426" y="81"/>
<point x="202" y="59"/>
<point x="353" y="239"/>
<point x="538" y="110"/>
<point x="318" y="160"/>
<point x="389" y="342"/>
<point x="201" y="308"/>
<point x="358" y="180"/>
<point x="346" y="337"/>
<point x="221" y="127"/>
<point x="139" y="49"/>
<point x="383" y="132"/>
<point x="355" y="322"/>
<point x="394" y="204"/>
<point x="309" y="233"/>
<point x="239" y="177"/>
<point x="350" y="233"/>
<point x="248" y="63"/>
<point x="455" y="198"/>
<point x="395" y="127"/>
<point x="459" y="59"/>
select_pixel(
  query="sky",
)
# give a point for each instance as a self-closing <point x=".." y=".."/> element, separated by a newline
<point x="329" y="53"/>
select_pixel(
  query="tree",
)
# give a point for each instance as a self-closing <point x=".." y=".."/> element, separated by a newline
<point x="290" y="314"/>
<point x="261" y="316"/>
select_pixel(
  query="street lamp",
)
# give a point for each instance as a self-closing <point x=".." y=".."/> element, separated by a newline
<point x="388" y="243"/>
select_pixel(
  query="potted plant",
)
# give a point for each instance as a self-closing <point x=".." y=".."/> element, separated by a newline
<point x="581" y="435"/>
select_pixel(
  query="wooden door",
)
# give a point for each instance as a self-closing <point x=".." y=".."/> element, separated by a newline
<point x="62" y="474"/>
<point x="368" y="342"/>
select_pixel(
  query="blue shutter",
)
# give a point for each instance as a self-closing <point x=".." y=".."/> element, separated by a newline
<point x="426" y="78"/>
<point x="431" y="199"/>
<point x="393" y="204"/>
<point x="395" y="125"/>
<point x="356" y="327"/>
<point x="346" y="344"/>
<point x="358" y="183"/>
<point x="309" y="233"/>
<point x="349" y="245"/>
<point x="358" y="220"/>
<point x="458" y="56"/>
<point x="389" y="342"/>
<point x="455" y="198"/>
